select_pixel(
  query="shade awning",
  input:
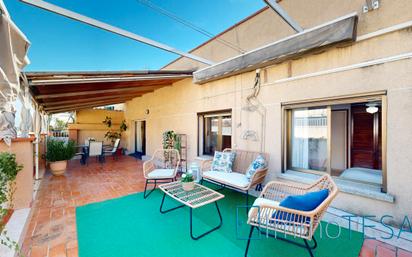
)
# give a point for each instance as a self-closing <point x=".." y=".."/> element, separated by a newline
<point x="341" y="30"/>
<point x="69" y="91"/>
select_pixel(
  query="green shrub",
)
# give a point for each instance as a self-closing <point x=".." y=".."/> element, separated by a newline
<point x="8" y="166"/>
<point x="8" y="173"/>
<point x="59" y="150"/>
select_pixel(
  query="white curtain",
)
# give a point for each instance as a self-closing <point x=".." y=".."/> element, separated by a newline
<point x="300" y="145"/>
<point x="13" y="58"/>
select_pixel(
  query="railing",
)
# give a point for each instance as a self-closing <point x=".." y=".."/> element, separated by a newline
<point x="60" y="133"/>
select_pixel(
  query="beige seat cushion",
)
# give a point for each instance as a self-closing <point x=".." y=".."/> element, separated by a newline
<point x="260" y="202"/>
<point x="161" y="173"/>
<point x="264" y="218"/>
<point x="233" y="179"/>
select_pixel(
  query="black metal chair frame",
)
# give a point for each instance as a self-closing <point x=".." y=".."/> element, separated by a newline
<point x="155" y="182"/>
<point x="83" y="154"/>
<point x="191" y="218"/>
<point x="305" y="245"/>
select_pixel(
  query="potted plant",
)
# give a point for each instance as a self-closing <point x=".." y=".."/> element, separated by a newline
<point x="58" y="152"/>
<point x="112" y="135"/>
<point x="188" y="183"/>
<point x="171" y="140"/>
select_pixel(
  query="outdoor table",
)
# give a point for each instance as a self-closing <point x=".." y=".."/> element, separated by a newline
<point x="198" y="197"/>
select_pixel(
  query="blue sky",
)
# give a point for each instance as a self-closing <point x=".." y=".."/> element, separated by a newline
<point x="61" y="44"/>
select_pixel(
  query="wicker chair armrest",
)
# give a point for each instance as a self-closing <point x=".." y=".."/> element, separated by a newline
<point x="289" y="210"/>
<point x="277" y="191"/>
<point x="286" y="214"/>
<point x="177" y="166"/>
<point x="148" y="166"/>
<point x="258" y="177"/>
<point x="206" y="165"/>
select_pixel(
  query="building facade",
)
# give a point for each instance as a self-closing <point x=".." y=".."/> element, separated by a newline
<point x="344" y="110"/>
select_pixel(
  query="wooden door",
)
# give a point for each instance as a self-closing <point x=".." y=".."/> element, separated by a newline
<point x="140" y="138"/>
<point x="366" y="138"/>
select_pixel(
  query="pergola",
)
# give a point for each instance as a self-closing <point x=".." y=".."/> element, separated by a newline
<point x="57" y="92"/>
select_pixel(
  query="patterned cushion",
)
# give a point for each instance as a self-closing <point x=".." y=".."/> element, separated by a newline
<point x="223" y="161"/>
<point x="258" y="163"/>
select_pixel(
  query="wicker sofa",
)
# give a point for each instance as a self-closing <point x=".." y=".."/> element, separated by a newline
<point x="237" y="179"/>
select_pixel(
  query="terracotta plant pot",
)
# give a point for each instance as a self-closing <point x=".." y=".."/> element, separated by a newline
<point x="188" y="186"/>
<point x="58" y="168"/>
<point x="6" y="217"/>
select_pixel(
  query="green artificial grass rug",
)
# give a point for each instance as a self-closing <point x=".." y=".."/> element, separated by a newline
<point x="133" y="227"/>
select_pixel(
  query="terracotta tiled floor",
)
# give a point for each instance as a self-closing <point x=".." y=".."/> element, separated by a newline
<point x="383" y="250"/>
<point x="52" y="228"/>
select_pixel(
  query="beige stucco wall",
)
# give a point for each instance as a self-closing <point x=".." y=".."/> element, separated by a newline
<point x="23" y="148"/>
<point x="88" y="123"/>
<point x="176" y="107"/>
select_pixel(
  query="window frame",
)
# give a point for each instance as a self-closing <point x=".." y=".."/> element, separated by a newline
<point x="289" y="142"/>
<point x="287" y="107"/>
<point x="201" y="127"/>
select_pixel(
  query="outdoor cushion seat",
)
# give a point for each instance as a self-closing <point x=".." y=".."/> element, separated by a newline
<point x="261" y="202"/>
<point x="234" y="179"/>
<point x="161" y="173"/>
<point x="242" y="178"/>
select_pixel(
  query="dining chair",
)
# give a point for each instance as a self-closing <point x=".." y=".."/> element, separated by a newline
<point x="113" y="150"/>
<point x="96" y="150"/>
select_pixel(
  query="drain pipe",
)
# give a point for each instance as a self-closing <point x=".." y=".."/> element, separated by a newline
<point x="284" y="15"/>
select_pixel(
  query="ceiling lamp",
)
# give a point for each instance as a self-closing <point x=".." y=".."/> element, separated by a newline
<point x="372" y="108"/>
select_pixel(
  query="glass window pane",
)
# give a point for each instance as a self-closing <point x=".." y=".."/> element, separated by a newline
<point x="211" y="134"/>
<point x="217" y="133"/>
<point x="226" y="126"/>
<point x="226" y="132"/>
<point x="309" y="139"/>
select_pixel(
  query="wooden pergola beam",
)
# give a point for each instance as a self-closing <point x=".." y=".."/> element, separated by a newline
<point x="77" y="106"/>
<point x="95" y="92"/>
<point x="125" y="97"/>
<point x="93" y="97"/>
<point x="103" y="102"/>
<point x="58" y="82"/>
<point x="69" y="109"/>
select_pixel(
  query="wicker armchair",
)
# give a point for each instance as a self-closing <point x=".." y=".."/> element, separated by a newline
<point x="237" y="179"/>
<point x="300" y="224"/>
<point x="161" y="168"/>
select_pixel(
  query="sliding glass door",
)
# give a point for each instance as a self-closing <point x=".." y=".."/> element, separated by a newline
<point x="344" y="138"/>
<point x="309" y="139"/>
